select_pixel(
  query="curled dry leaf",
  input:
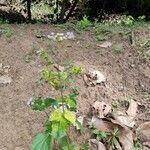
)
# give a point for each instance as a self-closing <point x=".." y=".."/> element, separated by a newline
<point x="96" y="145"/>
<point x="143" y="132"/>
<point x="100" y="109"/>
<point x="127" y="119"/>
<point x="97" y="75"/>
<point x="132" y="108"/>
<point x="104" y="125"/>
<point x="124" y="119"/>
<point x="94" y="77"/>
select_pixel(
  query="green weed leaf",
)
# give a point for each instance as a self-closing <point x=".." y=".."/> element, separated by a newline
<point x="41" y="104"/>
<point x="44" y="55"/>
<point x="71" y="101"/>
<point x="56" y="115"/>
<point x="41" y="142"/>
<point x="70" y="116"/>
<point x="46" y="73"/>
<point x="57" y="130"/>
<point x="66" y="144"/>
<point x="77" y="70"/>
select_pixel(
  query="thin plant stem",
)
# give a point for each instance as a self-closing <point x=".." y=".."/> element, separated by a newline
<point x="63" y="104"/>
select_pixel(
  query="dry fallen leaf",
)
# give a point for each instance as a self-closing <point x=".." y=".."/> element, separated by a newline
<point x="87" y="80"/>
<point x="132" y="109"/>
<point x="59" y="68"/>
<point x="5" y="79"/>
<point x="118" y="146"/>
<point x="80" y="120"/>
<point x="105" y="44"/>
<point x="147" y="144"/>
<point x="143" y="132"/>
<point x="126" y="139"/>
<point x="124" y="119"/>
<point x="100" y="109"/>
<point x="96" y="145"/>
<point x="97" y="76"/>
<point x="127" y="119"/>
<point x="94" y="77"/>
<point x="104" y="125"/>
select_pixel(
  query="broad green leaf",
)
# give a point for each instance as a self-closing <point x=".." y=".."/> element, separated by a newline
<point x="56" y="115"/>
<point x="41" y="104"/>
<point x="66" y="144"/>
<point x="50" y="102"/>
<point x="48" y="125"/>
<point x="64" y="123"/>
<point x="71" y="101"/>
<point x="41" y="142"/>
<point x="70" y="116"/>
<point x="57" y="132"/>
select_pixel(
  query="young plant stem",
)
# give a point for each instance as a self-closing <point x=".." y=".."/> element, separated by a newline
<point x="63" y="104"/>
<point x="61" y="93"/>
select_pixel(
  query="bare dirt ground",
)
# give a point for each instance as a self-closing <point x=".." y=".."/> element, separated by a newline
<point x="127" y="73"/>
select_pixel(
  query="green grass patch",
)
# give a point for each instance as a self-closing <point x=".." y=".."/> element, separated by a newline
<point x="6" y="30"/>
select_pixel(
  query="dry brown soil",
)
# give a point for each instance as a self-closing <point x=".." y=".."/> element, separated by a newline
<point x="127" y="73"/>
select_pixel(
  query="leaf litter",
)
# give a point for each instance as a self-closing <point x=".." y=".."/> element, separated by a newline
<point x="93" y="77"/>
<point x="123" y="121"/>
<point x="5" y="78"/>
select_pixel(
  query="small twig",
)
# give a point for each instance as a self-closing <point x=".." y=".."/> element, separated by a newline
<point x="132" y="38"/>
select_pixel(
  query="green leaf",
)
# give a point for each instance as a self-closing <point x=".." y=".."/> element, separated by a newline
<point x="66" y="144"/>
<point x="44" y="55"/>
<point x="59" y="124"/>
<point x="63" y="75"/>
<point x="55" y="83"/>
<point x="71" y="101"/>
<point x="77" y="70"/>
<point x="56" y="115"/>
<point x="85" y="147"/>
<point x="41" y="104"/>
<point x="41" y="142"/>
<point x="70" y="116"/>
<point x="48" y="125"/>
<point x="64" y="123"/>
<point x="57" y="131"/>
<point x="46" y="73"/>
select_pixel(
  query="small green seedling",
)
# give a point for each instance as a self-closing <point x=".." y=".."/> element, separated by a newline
<point x="7" y="31"/>
<point x="100" y="135"/>
<point x="110" y="138"/>
<point x="118" y="48"/>
<point x="84" y="23"/>
<point x="113" y="139"/>
<point x="63" y="108"/>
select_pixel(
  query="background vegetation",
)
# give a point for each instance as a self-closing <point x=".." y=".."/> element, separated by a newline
<point x="62" y="10"/>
